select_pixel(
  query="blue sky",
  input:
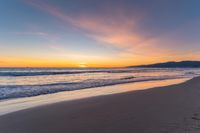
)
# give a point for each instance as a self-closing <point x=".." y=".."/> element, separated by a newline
<point x="110" y="33"/>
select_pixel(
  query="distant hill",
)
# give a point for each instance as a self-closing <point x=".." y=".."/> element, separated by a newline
<point x="182" y="64"/>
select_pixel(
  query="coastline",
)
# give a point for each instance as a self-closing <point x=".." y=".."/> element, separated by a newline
<point x="17" y="104"/>
<point x="169" y="109"/>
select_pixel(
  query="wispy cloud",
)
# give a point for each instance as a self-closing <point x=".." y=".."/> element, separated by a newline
<point x="31" y="33"/>
<point x="41" y="34"/>
<point x="117" y="28"/>
<point x="122" y="30"/>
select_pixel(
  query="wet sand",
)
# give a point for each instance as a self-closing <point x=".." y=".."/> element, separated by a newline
<point x="171" y="109"/>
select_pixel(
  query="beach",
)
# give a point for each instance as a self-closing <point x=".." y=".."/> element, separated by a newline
<point x="169" y="109"/>
<point x="99" y="66"/>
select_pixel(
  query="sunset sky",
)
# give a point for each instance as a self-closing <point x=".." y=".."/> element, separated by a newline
<point x="98" y="33"/>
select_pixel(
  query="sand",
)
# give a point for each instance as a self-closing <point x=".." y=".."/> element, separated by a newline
<point x="171" y="109"/>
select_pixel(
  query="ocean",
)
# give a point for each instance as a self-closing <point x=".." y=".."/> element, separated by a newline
<point x="27" y="82"/>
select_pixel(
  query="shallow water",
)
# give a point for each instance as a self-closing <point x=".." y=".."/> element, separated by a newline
<point x="12" y="105"/>
<point x="26" y="82"/>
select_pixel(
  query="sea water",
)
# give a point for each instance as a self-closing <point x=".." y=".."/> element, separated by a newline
<point x="27" y="82"/>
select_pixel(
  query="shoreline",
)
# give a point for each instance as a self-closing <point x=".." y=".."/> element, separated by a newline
<point x="169" y="109"/>
<point x="86" y="87"/>
<point x="13" y="105"/>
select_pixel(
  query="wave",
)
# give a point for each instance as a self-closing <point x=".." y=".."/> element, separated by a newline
<point x="17" y="91"/>
<point x="14" y="74"/>
<point x="43" y="73"/>
<point x="63" y="72"/>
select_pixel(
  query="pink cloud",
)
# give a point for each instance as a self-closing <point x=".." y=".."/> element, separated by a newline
<point x="117" y="28"/>
<point x="120" y="30"/>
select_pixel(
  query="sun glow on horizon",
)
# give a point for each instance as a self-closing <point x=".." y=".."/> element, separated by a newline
<point x="107" y="34"/>
<point x="83" y="65"/>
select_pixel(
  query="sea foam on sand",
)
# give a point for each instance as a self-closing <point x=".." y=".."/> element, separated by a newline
<point x="12" y="105"/>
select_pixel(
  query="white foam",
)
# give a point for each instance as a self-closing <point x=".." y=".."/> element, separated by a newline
<point x="12" y="105"/>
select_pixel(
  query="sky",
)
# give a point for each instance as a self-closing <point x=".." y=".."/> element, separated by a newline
<point x="98" y="33"/>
